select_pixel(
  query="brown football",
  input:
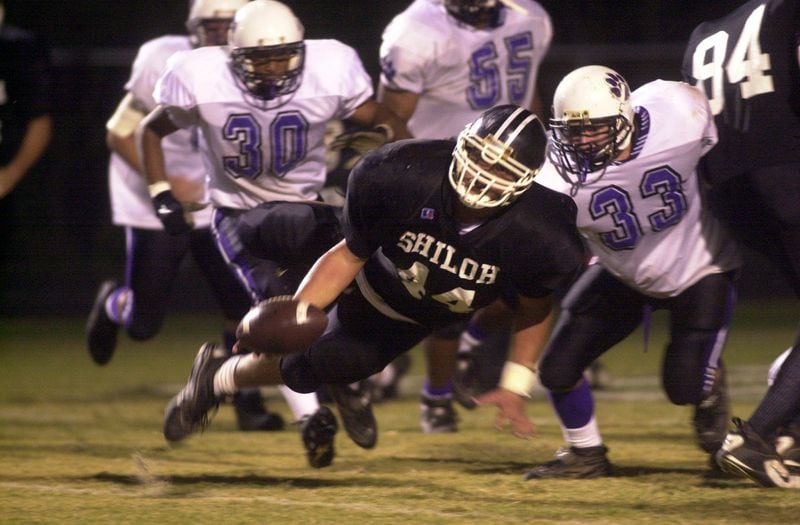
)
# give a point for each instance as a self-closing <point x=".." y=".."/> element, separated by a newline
<point x="280" y="326"/>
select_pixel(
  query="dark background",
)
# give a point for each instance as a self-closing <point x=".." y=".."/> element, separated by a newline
<point x="62" y="243"/>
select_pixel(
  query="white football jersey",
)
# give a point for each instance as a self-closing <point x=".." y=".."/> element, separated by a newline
<point x="643" y="218"/>
<point x="256" y="152"/>
<point x="130" y="200"/>
<point x="460" y="71"/>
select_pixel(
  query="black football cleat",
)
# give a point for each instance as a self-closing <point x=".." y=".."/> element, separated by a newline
<point x="711" y="416"/>
<point x="744" y="453"/>
<point x="187" y="412"/>
<point x="251" y="414"/>
<point x="787" y="445"/>
<point x="437" y="416"/>
<point x="101" y="331"/>
<point x="574" y="463"/>
<point x="318" y="431"/>
<point x="355" y="409"/>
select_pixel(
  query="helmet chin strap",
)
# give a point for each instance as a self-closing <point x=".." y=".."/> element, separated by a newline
<point x="511" y="4"/>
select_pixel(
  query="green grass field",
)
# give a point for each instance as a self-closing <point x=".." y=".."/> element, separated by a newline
<point x="82" y="444"/>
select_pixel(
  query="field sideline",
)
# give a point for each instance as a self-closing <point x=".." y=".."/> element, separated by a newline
<point x="82" y="444"/>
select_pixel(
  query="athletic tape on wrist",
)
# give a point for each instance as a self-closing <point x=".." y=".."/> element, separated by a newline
<point x="158" y="187"/>
<point x="518" y="378"/>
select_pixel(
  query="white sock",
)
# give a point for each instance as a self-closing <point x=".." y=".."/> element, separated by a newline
<point x="223" y="379"/>
<point x="585" y="436"/>
<point x="300" y="404"/>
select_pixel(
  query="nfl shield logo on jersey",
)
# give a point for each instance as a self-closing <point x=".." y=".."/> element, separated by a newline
<point x="427" y="214"/>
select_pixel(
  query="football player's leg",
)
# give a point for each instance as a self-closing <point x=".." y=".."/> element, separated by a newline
<point x="597" y="313"/>
<point x="774" y="193"/>
<point x="437" y="414"/>
<point x="692" y="371"/>
<point x="152" y="259"/>
<point x="779" y="190"/>
<point x="238" y="236"/>
<point x="787" y="442"/>
<point x="153" y="264"/>
<point x="234" y="303"/>
<point x="359" y="342"/>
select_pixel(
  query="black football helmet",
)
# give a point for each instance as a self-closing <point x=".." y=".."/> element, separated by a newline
<point x="497" y="156"/>
<point x="267" y="49"/>
<point x="477" y="13"/>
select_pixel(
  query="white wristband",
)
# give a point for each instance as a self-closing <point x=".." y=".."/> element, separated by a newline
<point x="158" y="187"/>
<point x="518" y="378"/>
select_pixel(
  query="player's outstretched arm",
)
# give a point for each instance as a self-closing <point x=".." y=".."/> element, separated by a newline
<point x="533" y="320"/>
<point x="329" y="276"/>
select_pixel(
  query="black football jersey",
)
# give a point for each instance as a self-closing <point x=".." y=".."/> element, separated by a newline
<point x="399" y="215"/>
<point x="746" y="63"/>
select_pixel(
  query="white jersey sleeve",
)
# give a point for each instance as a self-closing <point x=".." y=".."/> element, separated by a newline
<point x="459" y="71"/>
<point x="148" y="64"/>
<point x="644" y="218"/>
<point x="130" y="200"/>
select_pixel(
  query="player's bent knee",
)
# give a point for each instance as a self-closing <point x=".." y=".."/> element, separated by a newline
<point x="298" y="374"/>
<point x="557" y="380"/>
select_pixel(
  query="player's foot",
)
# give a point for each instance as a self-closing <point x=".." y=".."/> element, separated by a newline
<point x="355" y="409"/>
<point x="574" y="463"/>
<point x="187" y="412"/>
<point x="437" y="416"/>
<point x="251" y="414"/>
<point x="744" y="453"/>
<point x="318" y="431"/>
<point x="711" y="416"/>
<point x="101" y="331"/>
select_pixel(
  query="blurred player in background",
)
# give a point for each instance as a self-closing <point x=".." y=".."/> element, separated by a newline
<point x="629" y="161"/>
<point x="25" y="121"/>
<point x="444" y="62"/>
<point x="154" y="255"/>
<point x="435" y="231"/>
<point x="261" y="104"/>
<point x="746" y="63"/>
<point x="25" y="124"/>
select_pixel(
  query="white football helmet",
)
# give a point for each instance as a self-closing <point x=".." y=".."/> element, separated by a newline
<point x="267" y="49"/>
<point x="209" y="20"/>
<point x="592" y="121"/>
<point x="497" y="156"/>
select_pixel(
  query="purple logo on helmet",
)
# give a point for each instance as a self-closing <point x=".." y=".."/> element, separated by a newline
<point x="617" y="85"/>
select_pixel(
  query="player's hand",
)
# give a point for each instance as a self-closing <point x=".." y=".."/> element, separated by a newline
<point x="171" y="213"/>
<point x="361" y="142"/>
<point x="511" y="411"/>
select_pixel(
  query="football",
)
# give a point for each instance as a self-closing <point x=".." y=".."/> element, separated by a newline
<point x="280" y="326"/>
